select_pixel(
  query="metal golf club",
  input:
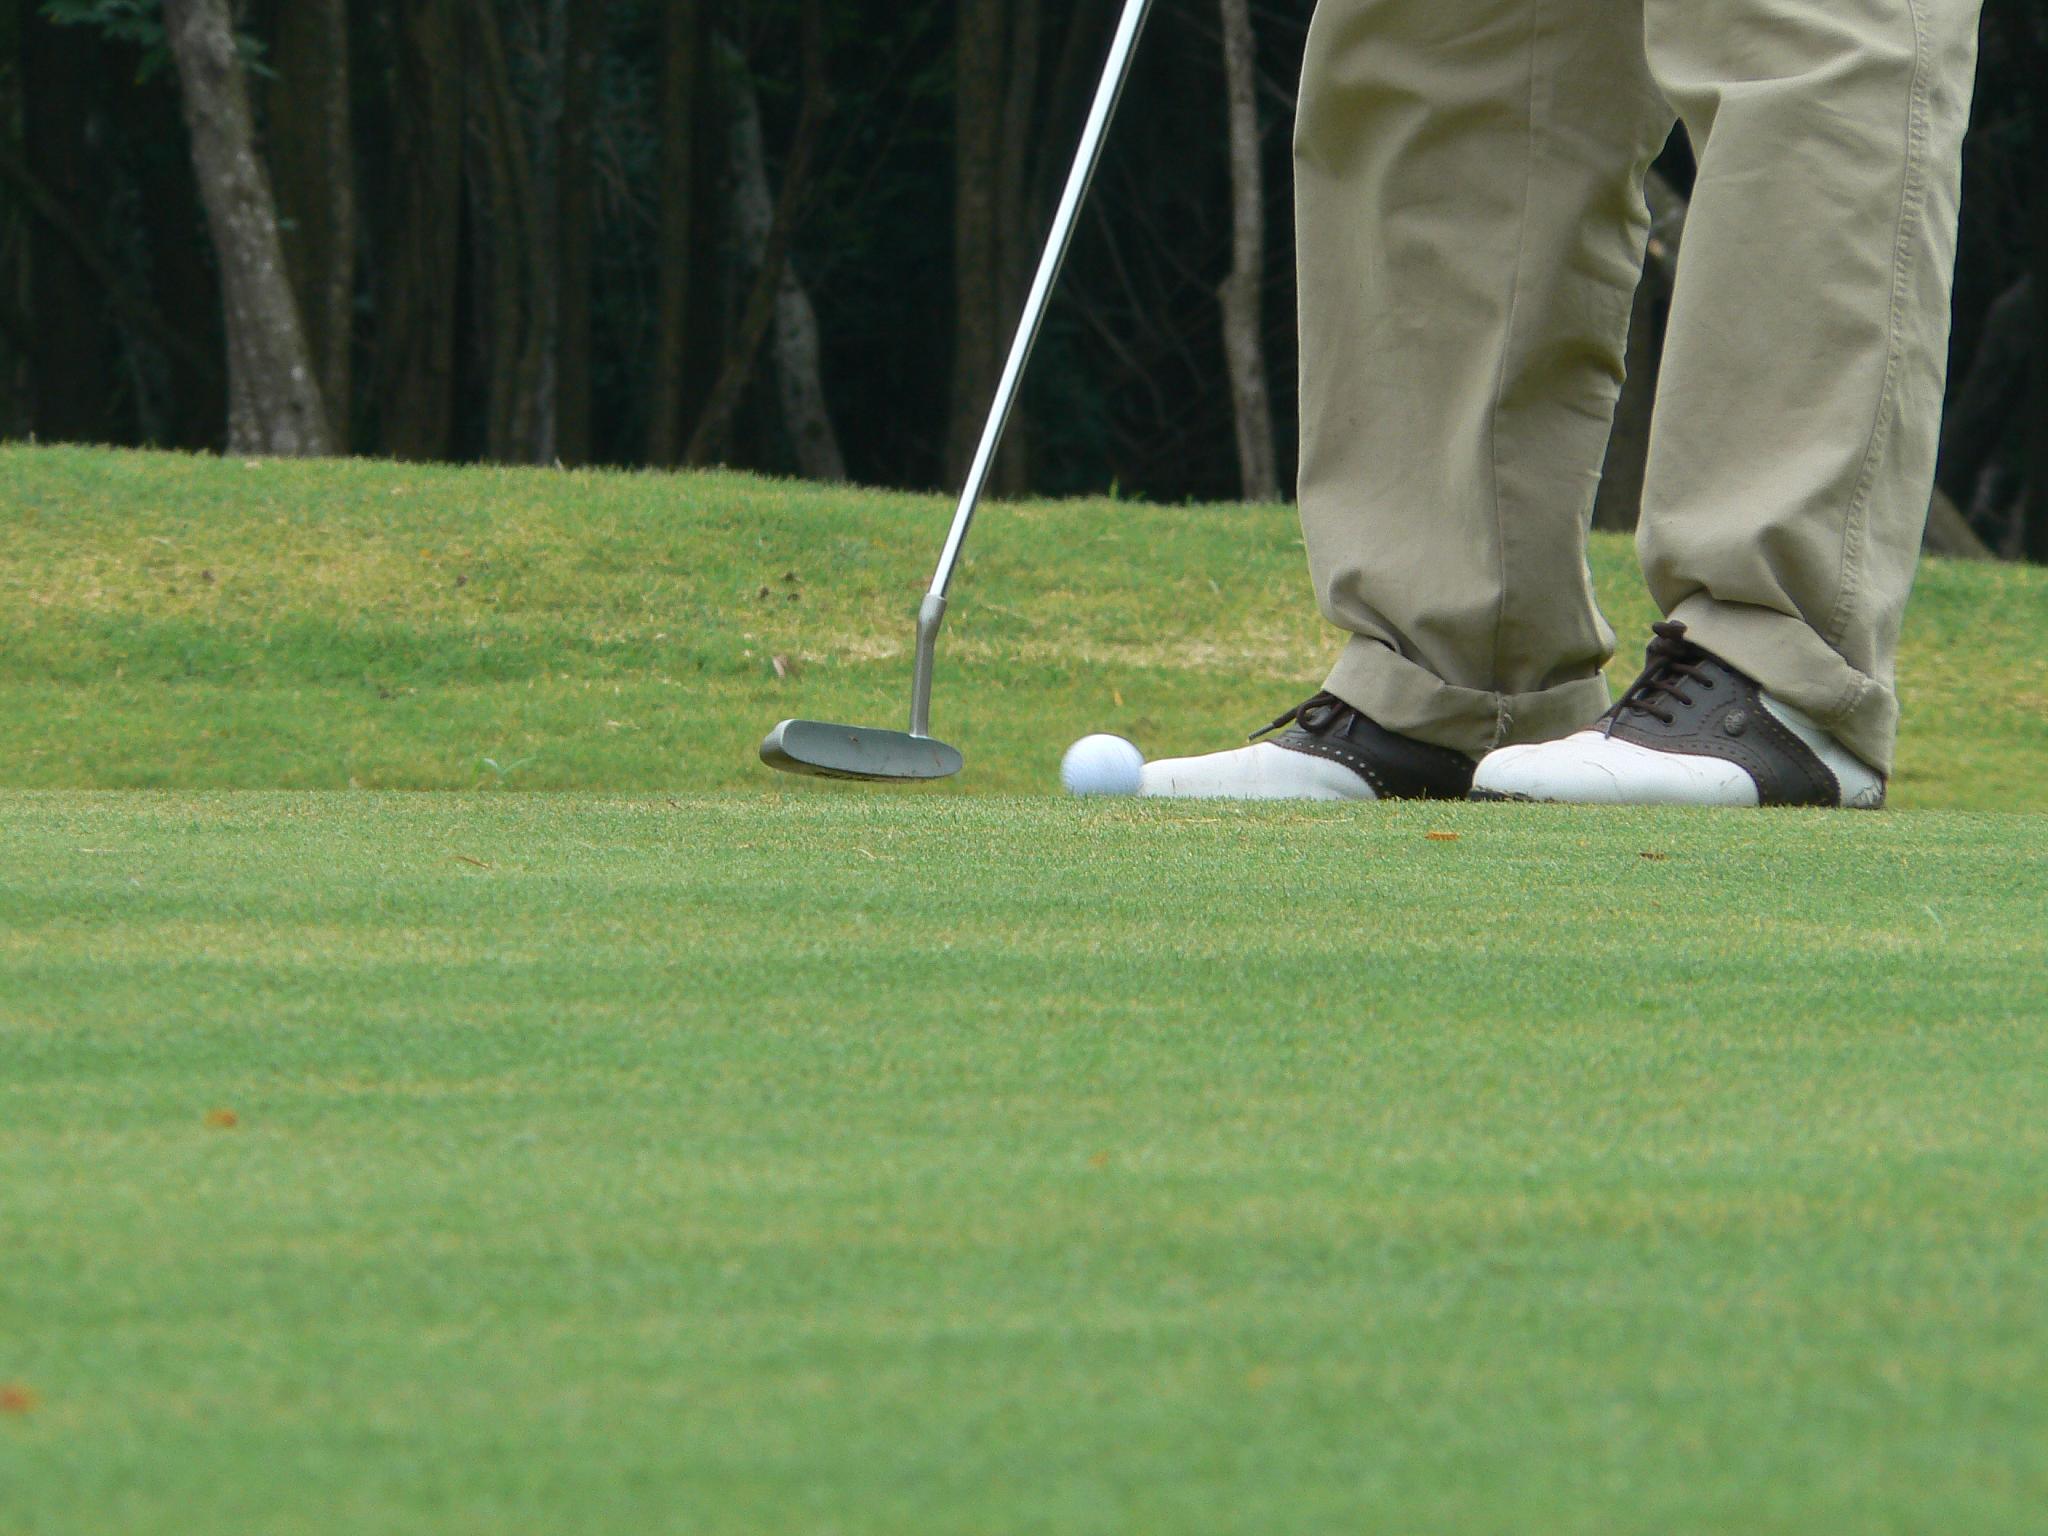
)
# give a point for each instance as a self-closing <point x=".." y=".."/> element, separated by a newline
<point x="863" y="752"/>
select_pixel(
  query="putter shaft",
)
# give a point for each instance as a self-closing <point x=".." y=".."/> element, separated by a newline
<point x="931" y="616"/>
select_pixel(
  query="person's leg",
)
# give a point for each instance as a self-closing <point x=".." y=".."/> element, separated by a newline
<point x="1793" y="457"/>
<point x="1471" y="231"/>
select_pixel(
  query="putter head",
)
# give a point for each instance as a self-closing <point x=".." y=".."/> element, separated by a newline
<point x="857" y="752"/>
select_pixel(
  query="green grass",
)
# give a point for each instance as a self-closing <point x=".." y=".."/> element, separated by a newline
<point x="730" y="1154"/>
<point x="794" y="1163"/>
<point x="203" y="623"/>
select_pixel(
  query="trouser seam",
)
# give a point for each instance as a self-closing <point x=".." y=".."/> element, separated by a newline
<point x="1912" y="203"/>
<point x="1500" y="522"/>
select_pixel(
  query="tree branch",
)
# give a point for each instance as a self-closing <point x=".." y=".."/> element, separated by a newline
<point x="134" y="309"/>
<point x="760" y="309"/>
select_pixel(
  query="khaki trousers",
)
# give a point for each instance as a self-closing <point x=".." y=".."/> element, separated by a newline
<point x="1472" y="228"/>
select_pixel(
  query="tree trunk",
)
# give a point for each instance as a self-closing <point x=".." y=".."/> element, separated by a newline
<point x="71" y="343"/>
<point x="416" y="342"/>
<point x="666" y="431"/>
<point x="1018" y="228"/>
<point x="575" y="176"/>
<point x="977" y="248"/>
<point x="2034" y="524"/>
<point x="94" y="262"/>
<point x="1619" y="505"/>
<point x="759" y="311"/>
<point x="1949" y="532"/>
<point x="312" y="156"/>
<point x="274" y="403"/>
<point x="16" y="419"/>
<point x="1982" y="406"/>
<point x="795" y="347"/>
<point x="184" y="291"/>
<point x="1244" y="343"/>
<point x="799" y="368"/>
<point x="518" y="254"/>
<point x="1084" y="40"/>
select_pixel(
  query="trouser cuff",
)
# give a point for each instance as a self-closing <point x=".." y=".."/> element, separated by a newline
<point x="1794" y="664"/>
<point x="1411" y="701"/>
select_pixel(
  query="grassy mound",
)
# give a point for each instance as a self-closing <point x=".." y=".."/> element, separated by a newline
<point x="199" y="623"/>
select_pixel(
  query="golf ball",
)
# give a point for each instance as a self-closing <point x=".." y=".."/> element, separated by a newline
<point x="1102" y="765"/>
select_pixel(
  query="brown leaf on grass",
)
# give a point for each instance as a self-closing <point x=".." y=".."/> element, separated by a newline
<point x="1655" y="858"/>
<point x="15" y="1398"/>
<point x="466" y="859"/>
<point x="1445" y="837"/>
<point x="783" y="665"/>
<point x="1099" y="1160"/>
<point x="222" y="1119"/>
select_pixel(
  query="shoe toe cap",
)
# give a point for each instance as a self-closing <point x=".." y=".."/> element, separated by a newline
<point x="1591" y="768"/>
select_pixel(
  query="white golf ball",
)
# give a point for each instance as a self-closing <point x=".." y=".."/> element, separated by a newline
<point x="1102" y="765"/>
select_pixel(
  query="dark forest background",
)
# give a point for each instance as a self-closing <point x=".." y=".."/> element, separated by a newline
<point x="791" y="235"/>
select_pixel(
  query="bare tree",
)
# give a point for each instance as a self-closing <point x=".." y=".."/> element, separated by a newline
<point x="2034" y="524"/>
<point x="794" y="338"/>
<point x="1949" y="532"/>
<point x="274" y="403"/>
<point x="1619" y="505"/>
<point x="681" y="42"/>
<point x="575" y="188"/>
<point x="1984" y="407"/>
<point x="70" y="341"/>
<point x="1243" y="332"/>
<point x="420" y="262"/>
<point x="519" y="253"/>
<point x="1019" y="225"/>
<point x="312" y="156"/>
<point x="977" y="250"/>
<point x="759" y="311"/>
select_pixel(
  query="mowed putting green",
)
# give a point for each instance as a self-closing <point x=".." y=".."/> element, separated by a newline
<point x="808" y="1164"/>
<point x="731" y="1154"/>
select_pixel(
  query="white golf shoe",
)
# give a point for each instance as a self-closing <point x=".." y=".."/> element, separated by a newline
<point x="1327" y="751"/>
<point x="1691" y="731"/>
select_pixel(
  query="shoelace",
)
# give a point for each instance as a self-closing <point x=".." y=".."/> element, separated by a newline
<point x="1316" y="714"/>
<point x="1671" y="663"/>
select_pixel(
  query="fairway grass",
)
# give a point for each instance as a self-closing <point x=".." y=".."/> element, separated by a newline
<point x="704" y="1152"/>
<point x="807" y="1163"/>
